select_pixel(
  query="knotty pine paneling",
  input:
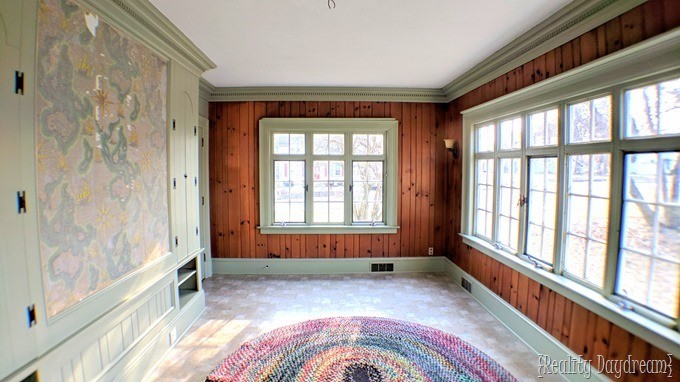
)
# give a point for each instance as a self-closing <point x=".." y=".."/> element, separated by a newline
<point x="234" y="178"/>
<point x="581" y="330"/>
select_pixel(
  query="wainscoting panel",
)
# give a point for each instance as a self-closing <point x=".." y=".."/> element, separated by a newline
<point x="95" y="357"/>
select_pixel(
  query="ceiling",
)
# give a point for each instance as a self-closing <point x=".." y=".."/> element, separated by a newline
<point x="359" y="43"/>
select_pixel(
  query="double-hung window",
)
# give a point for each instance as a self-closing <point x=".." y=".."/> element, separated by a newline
<point x="580" y="177"/>
<point x="328" y="175"/>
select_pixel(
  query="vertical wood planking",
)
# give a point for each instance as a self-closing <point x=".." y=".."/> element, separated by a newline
<point x="244" y="179"/>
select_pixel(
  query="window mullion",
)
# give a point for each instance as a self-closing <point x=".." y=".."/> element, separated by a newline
<point x="309" y="179"/>
<point x="496" y="184"/>
<point x="523" y="186"/>
<point x="561" y="194"/>
<point x="616" y="193"/>
<point x="349" y="171"/>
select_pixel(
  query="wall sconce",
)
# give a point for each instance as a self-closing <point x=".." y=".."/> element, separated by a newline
<point x="452" y="146"/>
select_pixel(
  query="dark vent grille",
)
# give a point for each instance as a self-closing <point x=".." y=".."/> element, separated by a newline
<point x="466" y="284"/>
<point x="382" y="267"/>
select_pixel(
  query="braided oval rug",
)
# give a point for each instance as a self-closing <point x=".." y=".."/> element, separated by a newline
<point x="358" y="349"/>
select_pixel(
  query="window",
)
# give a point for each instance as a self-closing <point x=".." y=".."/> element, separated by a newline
<point x="585" y="186"/>
<point x="328" y="175"/>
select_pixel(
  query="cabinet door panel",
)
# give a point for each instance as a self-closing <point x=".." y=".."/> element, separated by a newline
<point x="17" y="344"/>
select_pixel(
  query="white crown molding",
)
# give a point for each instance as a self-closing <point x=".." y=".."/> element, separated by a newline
<point x="577" y="18"/>
<point x="563" y="26"/>
<point x="327" y="94"/>
<point x="144" y="22"/>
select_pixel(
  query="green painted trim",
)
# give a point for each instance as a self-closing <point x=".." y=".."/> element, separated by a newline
<point x="653" y="56"/>
<point x="205" y="89"/>
<point x="318" y="229"/>
<point x="324" y="266"/>
<point x="651" y="331"/>
<point x="143" y="21"/>
<point x="573" y="20"/>
<point x="528" y="331"/>
<point x="294" y="93"/>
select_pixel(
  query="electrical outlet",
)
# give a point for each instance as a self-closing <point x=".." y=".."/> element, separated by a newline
<point x="430" y="251"/>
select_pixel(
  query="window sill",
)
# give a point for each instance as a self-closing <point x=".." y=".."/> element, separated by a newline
<point x="661" y="336"/>
<point x="329" y="229"/>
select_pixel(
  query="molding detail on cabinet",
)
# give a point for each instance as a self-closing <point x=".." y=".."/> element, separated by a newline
<point x="564" y="25"/>
<point x="148" y="24"/>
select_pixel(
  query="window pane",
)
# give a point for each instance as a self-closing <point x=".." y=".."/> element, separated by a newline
<point x="367" y="191"/>
<point x="336" y="144"/>
<point x="286" y="144"/>
<point x="511" y="134"/>
<point x="289" y="191"/>
<point x="590" y="121"/>
<point x="588" y="216"/>
<point x="542" y="208"/>
<point x="509" y="197"/>
<point x="329" y="144"/>
<point x="649" y="267"/>
<point x="281" y="144"/>
<point x="484" y="177"/>
<point x="329" y="185"/>
<point x="320" y="144"/>
<point x="375" y="144"/>
<point x="543" y="128"/>
<point x="485" y="138"/>
<point x="359" y="144"/>
<point x="297" y="144"/>
<point x="653" y="110"/>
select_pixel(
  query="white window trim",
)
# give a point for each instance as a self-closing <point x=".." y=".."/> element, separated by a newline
<point x="654" y="58"/>
<point x="389" y="126"/>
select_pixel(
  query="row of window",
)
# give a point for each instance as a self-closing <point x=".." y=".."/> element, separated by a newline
<point x="559" y="169"/>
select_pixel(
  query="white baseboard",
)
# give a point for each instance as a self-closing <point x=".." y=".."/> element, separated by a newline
<point x="528" y="331"/>
<point x="323" y="266"/>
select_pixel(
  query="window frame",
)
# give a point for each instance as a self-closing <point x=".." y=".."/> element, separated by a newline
<point x="645" y="63"/>
<point x="346" y="126"/>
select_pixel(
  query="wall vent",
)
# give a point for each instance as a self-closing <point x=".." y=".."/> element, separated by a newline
<point x="382" y="267"/>
<point x="466" y="284"/>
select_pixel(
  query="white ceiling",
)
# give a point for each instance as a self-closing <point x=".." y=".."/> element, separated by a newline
<point x="362" y="43"/>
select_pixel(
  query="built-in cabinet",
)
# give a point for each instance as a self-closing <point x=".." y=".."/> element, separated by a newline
<point x="119" y="332"/>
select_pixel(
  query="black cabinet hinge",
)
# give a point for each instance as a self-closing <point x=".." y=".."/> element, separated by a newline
<point x="21" y="202"/>
<point x="203" y="200"/>
<point x="350" y="188"/>
<point x="174" y="124"/>
<point x="195" y="181"/>
<point x="18" y="82"/>
<point x="174" y="183"/>
<point x="194" y="130"/>
<point x="196" y="231"/>
<point x="30" y="315"/>
<point x="202" y="142"/>
<point x="176" y="241"/>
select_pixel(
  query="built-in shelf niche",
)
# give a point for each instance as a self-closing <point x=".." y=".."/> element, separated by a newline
<point x="187" y="281"/>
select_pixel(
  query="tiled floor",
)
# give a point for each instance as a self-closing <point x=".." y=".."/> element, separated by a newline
<point x="240" y="308"/>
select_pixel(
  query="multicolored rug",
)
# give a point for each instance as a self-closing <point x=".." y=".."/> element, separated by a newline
<point x="358" y="349"/>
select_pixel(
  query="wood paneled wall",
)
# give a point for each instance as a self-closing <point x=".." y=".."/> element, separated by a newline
<point x="234" y="178"/>
<point x="581" y="330"/>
